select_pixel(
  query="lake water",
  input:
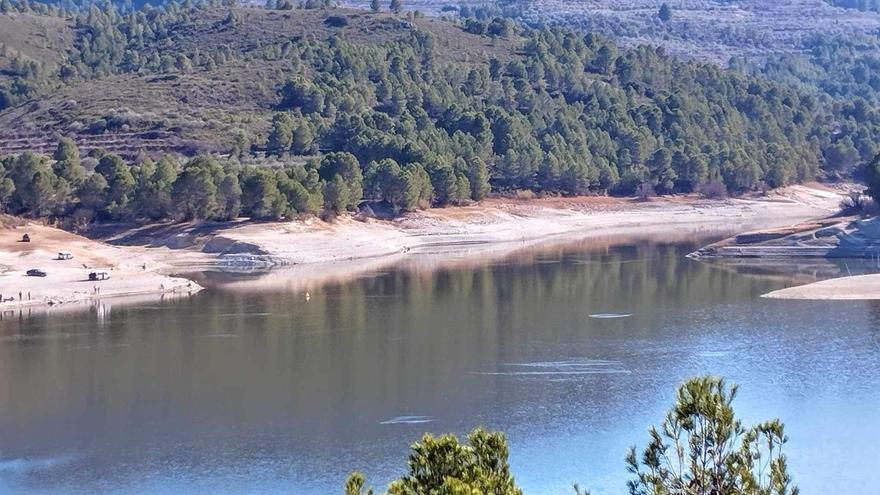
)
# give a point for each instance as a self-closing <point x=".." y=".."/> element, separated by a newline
<point x="267" y="391"/>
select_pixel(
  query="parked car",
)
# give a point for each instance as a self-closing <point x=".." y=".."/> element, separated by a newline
<point x="95" y="276"/>
<point x="36" y="272"/>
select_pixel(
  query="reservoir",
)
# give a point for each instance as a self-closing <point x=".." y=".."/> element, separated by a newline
<point x="574" y="351"/>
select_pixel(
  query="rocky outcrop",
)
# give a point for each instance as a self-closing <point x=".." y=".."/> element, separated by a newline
<point x="224" y="246"/>
<point x="832" y="238"/>
<point x="239" y="255"/>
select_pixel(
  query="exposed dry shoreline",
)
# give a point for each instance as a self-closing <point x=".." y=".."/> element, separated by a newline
<point x="132" y="272"/>
<point x="858" y="287"/>
<point x="853" y="237"/>
<point x="138" y="259"/>
<point x="493" y="224"/>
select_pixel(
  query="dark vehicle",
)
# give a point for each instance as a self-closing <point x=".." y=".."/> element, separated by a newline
<point x="26" y="238"/>
<point x="94" y="276"/>
<point x="34" y="272"/>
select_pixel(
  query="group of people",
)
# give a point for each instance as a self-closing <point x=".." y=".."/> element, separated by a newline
<point x="20" y="297"/>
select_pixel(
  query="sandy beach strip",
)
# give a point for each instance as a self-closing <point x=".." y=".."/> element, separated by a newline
<point x="130" y="272"/>
<point x="345" y="246"/>
<point x="855" y="288"/>
<point x="502" y="221"/>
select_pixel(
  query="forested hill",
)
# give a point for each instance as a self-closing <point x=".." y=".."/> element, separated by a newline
<point x="710" y="30"/>
<point x="862" y="5"/>
<point x="430" y="111"/>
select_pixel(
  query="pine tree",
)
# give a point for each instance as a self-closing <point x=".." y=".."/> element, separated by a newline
<point x="872" y="179"/>
<point x="281" y="136"/>
<point x="301" y="143"/>
<point x="701" y="444"/>
<point x="445" y="465"/>
<point x="665" y="13"/>
<point x="68" y="164"/>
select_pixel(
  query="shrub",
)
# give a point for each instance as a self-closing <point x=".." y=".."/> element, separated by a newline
<point x="853" y="203"/>
<point x="713" y="190"/>
<point x="474" y="26"/>
<point x="524" y="194"/>
<point x="645" y="191"/>
<point x="336" y="21"/>
<point x="858" y="203"/>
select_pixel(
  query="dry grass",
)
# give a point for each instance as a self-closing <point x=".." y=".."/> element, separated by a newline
<point x="42" y="38"/>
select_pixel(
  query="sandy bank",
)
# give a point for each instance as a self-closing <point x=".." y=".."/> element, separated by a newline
<point x="131" y="272"/>
<point x="860" y="287"/>
<point x="312" y="250"/>
<point x="489" y="225"/>
<point x="302" y="278"/>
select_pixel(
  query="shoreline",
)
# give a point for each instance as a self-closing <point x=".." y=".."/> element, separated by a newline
<point x="302" y="278"/>
<point x="140" y="258"/>
<point x="130" y="273"/>
<point x="852" y="288"/>
<point x="468" y="229"/>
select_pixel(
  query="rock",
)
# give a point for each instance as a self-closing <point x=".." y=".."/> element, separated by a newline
<point x="834" y="238"/>
<point x="224" y="245"/>
<point x="179" y="241"/>
<point x="869" y="227"/>
<point x="377" y="209"/>
<point x="756" y="237"/>
<point x="251" y="261"/>
<point x="829" y="232"/>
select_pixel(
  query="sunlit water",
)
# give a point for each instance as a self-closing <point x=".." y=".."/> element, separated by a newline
<point x="573" y="352"/>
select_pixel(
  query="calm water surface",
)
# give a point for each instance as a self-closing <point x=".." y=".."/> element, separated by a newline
<point x="236" y="391"/>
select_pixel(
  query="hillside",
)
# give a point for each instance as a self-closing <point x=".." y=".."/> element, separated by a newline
<point x="311" y="110"/>
<point x="711" y="30"/>
<point x="196" y="110"/>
